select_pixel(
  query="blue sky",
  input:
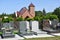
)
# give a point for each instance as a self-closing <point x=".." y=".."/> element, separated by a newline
<point x="10" y="6"/>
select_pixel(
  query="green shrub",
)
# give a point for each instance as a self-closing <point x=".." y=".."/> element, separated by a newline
<point x="29" y="19"/>
<point x="7" y="19"/>
<point x="19" y="19"/>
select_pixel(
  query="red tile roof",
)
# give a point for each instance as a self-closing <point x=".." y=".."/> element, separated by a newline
<point x="22" y="11"/>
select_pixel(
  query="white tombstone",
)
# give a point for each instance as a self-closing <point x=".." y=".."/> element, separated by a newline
<point x="35" y="27"/>
<point x="24" y="27"/>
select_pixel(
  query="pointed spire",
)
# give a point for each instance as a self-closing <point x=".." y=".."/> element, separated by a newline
<point x="31" y="5"/>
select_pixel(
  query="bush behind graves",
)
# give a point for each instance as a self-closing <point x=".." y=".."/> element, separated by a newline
<point x="19" y="19"/>
<point x="7" y="19"/>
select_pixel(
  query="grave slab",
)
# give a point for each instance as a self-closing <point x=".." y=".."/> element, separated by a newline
<point x="35" y="27"/>
<point x="24" y="28"/>
<point x="17" y="37"/>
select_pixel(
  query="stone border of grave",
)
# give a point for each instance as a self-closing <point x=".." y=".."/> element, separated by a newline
<point x="17" y="37"/>
<point x="7" y="30"/>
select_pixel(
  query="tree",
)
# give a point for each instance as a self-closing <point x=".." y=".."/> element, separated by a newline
<point x="7" y="19"/>
<point x="12" y="15"/>
<point x="44" y="12"/>
<point x="51" y="16"/>
<point x="49" y="13"/>
<point x="36" y="18"/>
<point x="38" y="13"/>
<point x="10" y="19"/>
<point x="2" y="15"/>
<point x="57" y="12"/>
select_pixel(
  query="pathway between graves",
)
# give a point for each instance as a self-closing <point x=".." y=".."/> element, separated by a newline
<point x="15" y="38"/>
<point x="38" y="36"/>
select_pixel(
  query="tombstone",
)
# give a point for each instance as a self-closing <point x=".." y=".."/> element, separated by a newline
<point x="54" y="24"/>
<point x="46" y="25"/>
<point x="58" y="26"/>
<point x="35" y="27"/>
<point x="40" y="25"/>
<point x="7" y="30"/>
<point x="16" y="25"/>
<point x="12" y="24"/>
<point x="50" y="26"/>
<point x="24" y="28"/>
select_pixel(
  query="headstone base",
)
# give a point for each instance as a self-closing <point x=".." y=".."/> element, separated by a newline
<point x="30" y="33"/>
<point x="6" y="36"/>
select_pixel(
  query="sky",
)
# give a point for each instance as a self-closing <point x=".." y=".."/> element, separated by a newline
<point x="11" y="6"/>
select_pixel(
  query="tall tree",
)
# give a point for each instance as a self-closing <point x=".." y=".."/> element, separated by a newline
<point x="44" y="12"/>
<point x="39" y="13"/>
<point x="2" y="15"/>
<point x="57" y="12"/>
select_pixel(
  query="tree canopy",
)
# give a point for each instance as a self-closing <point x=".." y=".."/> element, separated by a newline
<point x="57" y="12"/>
<point x="7" y="19"/>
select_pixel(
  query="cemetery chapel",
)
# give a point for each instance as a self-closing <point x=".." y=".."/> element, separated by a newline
<point x="26" y="13"/>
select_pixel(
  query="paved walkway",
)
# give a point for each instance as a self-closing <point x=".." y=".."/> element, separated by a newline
<point x="43" y="35"/>
<point x="38" y="36"/>
<point x="15" y="38"/>
<point x="56" y="34"/>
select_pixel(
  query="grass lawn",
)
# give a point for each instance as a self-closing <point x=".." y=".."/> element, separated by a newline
<point x="46" y="38"/>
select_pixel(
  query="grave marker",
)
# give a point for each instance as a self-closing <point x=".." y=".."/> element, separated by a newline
<point x="24" y="27"/>
<point x="7" y="30"/>
<point x="54" y="23"/>
<point x="35" y="27"/>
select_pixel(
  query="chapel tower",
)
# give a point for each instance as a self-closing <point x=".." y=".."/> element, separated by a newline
<point x="32" y="10"/>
